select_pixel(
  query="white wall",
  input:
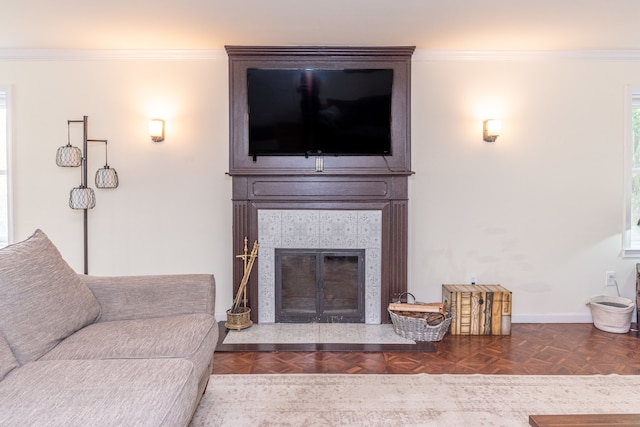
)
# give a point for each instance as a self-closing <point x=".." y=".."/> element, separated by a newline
<point x="539" y="211"/>
<point x="172" y="210"/>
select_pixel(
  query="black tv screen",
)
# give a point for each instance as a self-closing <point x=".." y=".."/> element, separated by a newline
<point x="319" y="111"/>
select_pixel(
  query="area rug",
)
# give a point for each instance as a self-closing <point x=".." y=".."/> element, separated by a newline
<point x="408" y="400"/>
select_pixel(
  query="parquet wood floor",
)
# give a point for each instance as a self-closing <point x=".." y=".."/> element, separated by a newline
<point x="540" y="349"/>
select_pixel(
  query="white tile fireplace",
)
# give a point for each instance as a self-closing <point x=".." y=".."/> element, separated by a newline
<point x="319" y="229"/>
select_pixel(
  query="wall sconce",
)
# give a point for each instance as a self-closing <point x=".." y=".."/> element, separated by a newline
<point x="156" y="130"/>
<point x="491" y="130"/>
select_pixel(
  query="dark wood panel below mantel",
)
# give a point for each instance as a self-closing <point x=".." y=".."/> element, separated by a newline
<point x="321" y="188"/>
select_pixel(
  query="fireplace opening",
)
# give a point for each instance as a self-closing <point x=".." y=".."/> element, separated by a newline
<point x="319" y="285"/>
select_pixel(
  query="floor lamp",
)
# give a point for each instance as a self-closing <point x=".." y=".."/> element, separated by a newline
<point x="83" y="197"/>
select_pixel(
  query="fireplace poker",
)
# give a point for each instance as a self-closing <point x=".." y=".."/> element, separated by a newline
<point x="244" y="257"/>
<point x="245" y="278"/>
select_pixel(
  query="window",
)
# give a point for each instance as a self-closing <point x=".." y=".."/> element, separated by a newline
<point x="632" y="178"/>
<point x="5" y="178"/>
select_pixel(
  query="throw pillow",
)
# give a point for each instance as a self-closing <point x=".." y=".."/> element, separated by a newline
<point x="42" y="300"/>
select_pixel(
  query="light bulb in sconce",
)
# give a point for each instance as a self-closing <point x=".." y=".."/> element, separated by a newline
<point x="156" y="130"/>
<point x="491" y="130"/>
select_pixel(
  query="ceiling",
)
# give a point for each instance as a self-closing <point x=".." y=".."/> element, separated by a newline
<point x="426" y="24"/>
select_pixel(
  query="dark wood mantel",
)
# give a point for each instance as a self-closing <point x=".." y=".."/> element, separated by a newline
<point x="344" y="183"/>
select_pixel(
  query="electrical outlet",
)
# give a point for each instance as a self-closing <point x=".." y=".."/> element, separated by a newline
<point x="610" y="278"/>
<point x="473" y="279"/>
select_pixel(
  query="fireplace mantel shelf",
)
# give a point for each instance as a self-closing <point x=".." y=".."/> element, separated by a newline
<point x="311" y="173"/>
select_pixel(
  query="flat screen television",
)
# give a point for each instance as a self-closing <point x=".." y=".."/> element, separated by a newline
<point x="303" y="112"/>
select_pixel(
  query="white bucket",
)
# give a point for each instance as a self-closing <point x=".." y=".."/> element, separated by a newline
<point x="611" y="314"/>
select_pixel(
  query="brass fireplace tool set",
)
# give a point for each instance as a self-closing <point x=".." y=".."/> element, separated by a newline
<point x="239" y="316"/>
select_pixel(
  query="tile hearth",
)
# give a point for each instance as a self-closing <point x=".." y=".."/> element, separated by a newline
<point x="319" y="333"/>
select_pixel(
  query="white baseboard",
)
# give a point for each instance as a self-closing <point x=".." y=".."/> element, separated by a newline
<point x="557" y="318"/>
<point x="552" y="318"/>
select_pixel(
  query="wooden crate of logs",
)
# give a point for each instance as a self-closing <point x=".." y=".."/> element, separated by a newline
<point x="478" y="309"/>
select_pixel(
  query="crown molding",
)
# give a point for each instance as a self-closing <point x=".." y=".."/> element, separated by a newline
<point x="217" y="54"/>
<point x="111" y="54"/>
<point x="526" y="55"/>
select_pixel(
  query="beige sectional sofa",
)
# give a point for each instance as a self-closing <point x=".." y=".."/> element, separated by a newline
<point x="100" y="351"/>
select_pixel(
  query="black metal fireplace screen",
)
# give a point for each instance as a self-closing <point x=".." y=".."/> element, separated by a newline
<point x="319" y="285"/>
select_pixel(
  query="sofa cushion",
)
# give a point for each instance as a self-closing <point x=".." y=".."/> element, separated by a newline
<point x="142" y="392"/>
<point x="7" y="360"/>
<point x="172" y="336"/>
<point x="42" y="300"/>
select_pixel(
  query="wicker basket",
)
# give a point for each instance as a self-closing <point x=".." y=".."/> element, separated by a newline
<point x="418" y="329"/>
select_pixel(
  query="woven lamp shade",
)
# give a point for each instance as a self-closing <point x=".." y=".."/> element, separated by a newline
<point x="68" y="156"/>
<point x="82" y="198"/>
<point x="106" y="177"/>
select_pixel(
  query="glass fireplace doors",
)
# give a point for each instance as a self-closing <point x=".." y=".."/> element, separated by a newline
<point x="319" y="285"/>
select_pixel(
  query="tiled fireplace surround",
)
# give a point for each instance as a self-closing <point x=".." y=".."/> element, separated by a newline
<point x="319" y="229"/>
